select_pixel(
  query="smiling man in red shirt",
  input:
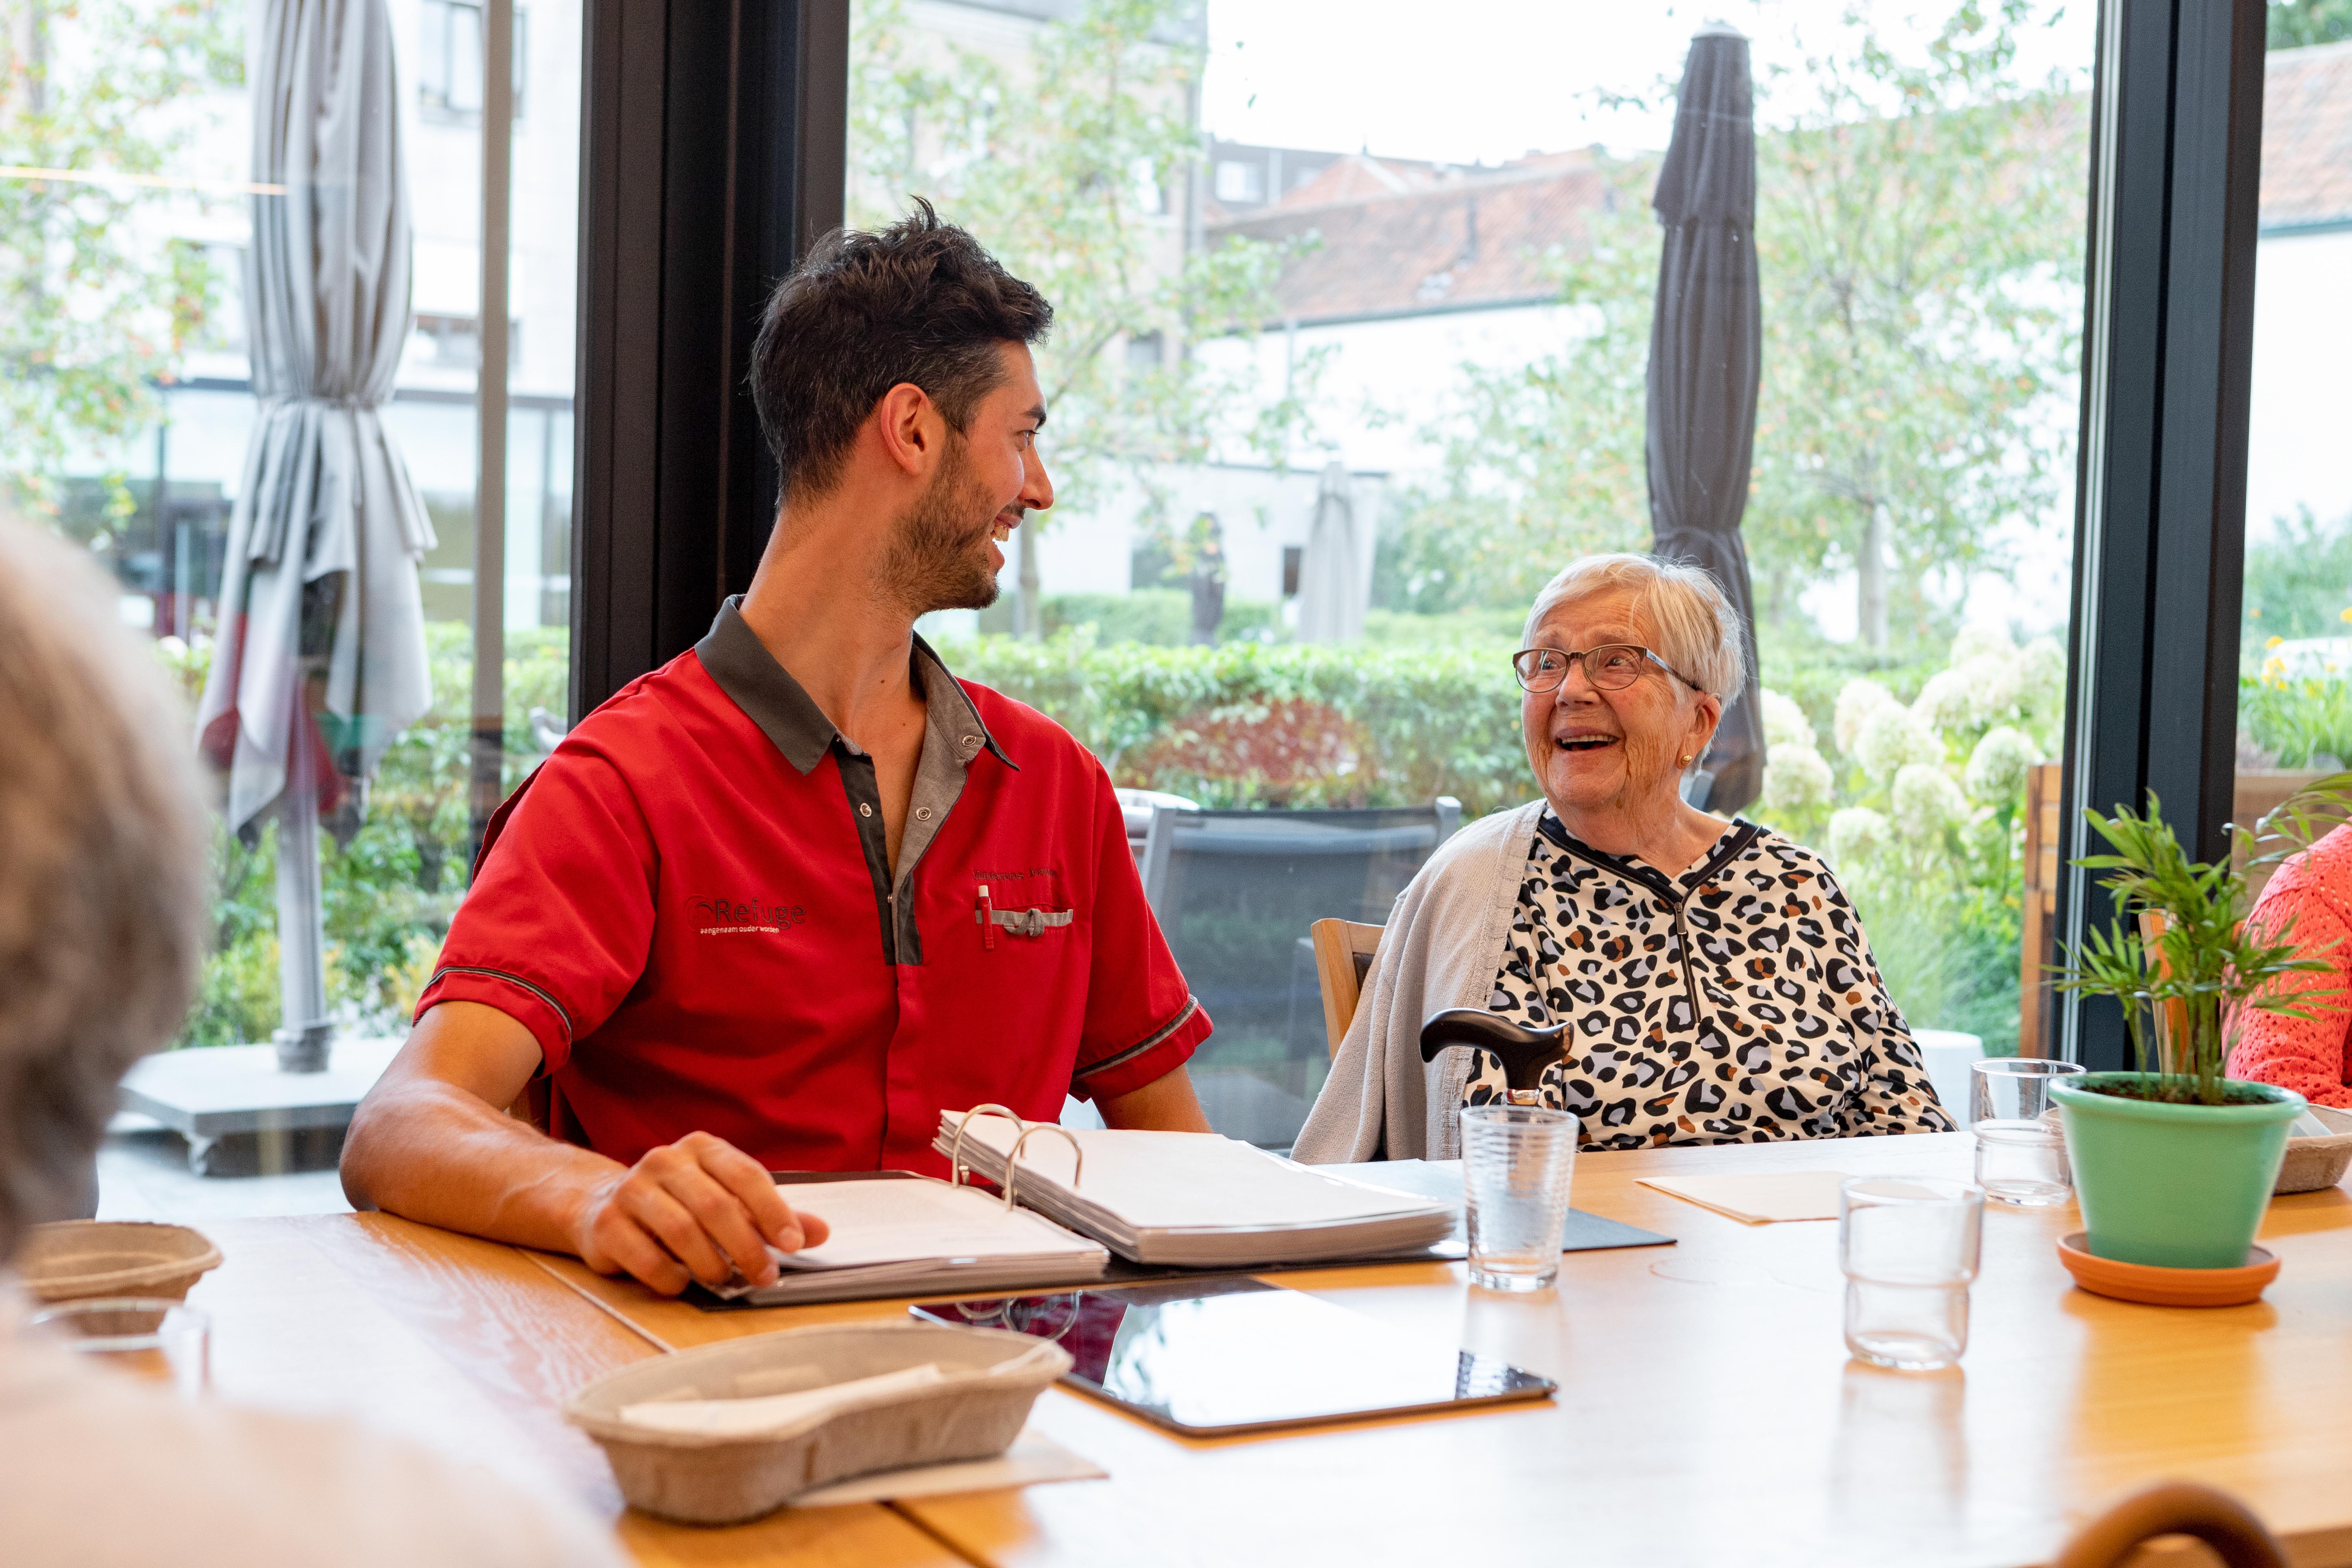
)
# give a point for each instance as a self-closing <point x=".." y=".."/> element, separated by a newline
<point x="780" y="902"/>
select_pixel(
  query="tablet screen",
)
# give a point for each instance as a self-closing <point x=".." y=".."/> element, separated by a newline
<point x="1239" y="1355"/>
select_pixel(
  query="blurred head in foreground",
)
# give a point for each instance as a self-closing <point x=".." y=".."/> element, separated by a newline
<point x="102" y="870"/>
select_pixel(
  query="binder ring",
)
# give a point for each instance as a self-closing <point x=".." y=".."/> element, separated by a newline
<point x="957" y="1169"/>
<point x="1012" y="1159"/>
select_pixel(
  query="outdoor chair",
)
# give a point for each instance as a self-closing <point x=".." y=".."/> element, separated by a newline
<point x="1232" y="891"/>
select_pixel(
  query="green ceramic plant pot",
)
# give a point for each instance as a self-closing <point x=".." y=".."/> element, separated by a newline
<point x="2179" y="1187"/>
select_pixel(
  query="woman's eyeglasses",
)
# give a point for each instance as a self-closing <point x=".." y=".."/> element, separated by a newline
<point x="1612" y="668"/>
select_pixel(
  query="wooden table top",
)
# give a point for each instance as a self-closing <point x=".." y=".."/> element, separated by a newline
<point x="1707" y="1411"/>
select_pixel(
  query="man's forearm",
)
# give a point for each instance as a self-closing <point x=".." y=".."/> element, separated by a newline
<point x="431" y="1151"/>
<point x="1166" y="1104"/>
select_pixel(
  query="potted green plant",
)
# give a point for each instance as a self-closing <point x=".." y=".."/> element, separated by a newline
<point x="2174" y="1164"/>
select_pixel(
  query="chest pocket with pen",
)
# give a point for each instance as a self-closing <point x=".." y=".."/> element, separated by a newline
<point x="1030" y="922"/>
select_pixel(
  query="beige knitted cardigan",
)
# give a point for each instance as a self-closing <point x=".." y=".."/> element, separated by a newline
<point x="1442" y="946"/>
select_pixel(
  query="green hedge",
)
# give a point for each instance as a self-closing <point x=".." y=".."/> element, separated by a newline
<point x="1358" y="726"/>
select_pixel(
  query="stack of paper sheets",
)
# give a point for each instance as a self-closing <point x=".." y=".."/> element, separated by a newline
<point x="1197" y="1200"/>
<point x="919" y="1237"/>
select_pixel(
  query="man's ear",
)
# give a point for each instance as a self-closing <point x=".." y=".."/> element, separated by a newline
<point x="910" y="428"/>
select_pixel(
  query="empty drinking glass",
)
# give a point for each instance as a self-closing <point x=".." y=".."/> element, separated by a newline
<point x="2013" y="1089"/>
<point x="151" y="1337"/>
<point x="1908" y="1246"/>
<point x="2022" y="1163"/>
<point x="1517" y="1161"/>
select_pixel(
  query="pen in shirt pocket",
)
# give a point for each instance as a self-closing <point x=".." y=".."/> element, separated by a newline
<point x="987" y="920"/>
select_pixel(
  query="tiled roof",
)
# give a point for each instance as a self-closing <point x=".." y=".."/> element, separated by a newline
<point x="1400" y="238"/>
<point x="1394" y="239"/>
<point x="2307" y="137"/>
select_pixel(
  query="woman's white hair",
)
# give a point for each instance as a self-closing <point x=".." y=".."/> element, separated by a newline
<point x="1692" y="626"/>
<point x="102" y="870"/>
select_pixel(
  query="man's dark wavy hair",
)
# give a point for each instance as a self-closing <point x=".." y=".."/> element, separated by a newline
<point x="919" y="302"/>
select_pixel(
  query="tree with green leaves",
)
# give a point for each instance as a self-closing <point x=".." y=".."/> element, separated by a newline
<point x="97" y="311"/>
<point x="1919" y="229"/>
<point x="1920" y="242"/>
<point x="2298" y="24"/>
<point x="1071" y="160"/>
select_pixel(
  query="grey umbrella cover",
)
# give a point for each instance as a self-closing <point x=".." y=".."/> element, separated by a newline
<point x="1705" y="341"/>
<point x="328" y="531"/>
<point x="1332" y="595"/>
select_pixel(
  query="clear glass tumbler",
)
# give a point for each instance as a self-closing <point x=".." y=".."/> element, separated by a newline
<point x="1517" y="1161"/>
<point x="2013" y="1089"/>
<point x="2022" y="1163"/>
<point x="1908" y="1246"/>
<point x="152" y="1337"/>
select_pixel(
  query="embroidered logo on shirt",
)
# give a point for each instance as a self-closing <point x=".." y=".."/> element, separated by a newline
<point x="727" y="917"/>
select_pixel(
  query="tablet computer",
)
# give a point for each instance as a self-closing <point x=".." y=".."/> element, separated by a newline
<point x="1210" y="1358"/>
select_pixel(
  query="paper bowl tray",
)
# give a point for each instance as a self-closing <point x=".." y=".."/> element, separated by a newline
<point x="2312" y="1163"/>
<point x="701" y="1479"/>
<point x="77" y="1259"/>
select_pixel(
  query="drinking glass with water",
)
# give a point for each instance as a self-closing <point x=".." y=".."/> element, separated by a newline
<point x="1908" y="1247"/>
<point x="1516" y="1162"/>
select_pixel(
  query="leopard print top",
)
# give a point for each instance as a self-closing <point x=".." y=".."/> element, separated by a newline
<point x="1782" y="1029"/>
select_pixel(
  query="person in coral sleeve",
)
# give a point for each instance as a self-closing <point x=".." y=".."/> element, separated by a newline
<point x="2310" y="1056"/>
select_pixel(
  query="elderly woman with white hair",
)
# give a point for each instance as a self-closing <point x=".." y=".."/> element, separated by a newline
<point x="1713" y="982"/>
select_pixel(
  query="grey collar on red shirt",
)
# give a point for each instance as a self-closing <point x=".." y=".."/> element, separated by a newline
<point x="734" y="657"/>
<point x="741" y="663"/>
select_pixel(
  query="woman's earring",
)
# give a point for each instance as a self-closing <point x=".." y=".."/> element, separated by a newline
<point x="1686" y="757"/>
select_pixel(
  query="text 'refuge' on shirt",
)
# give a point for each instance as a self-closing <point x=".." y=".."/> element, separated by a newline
<point x="691" y="907"/>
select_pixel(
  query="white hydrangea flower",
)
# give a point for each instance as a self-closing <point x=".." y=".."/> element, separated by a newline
<point x="1946" y="702"/>
<point x="1974" y="642"/>
<point x="2042" y="666"/>
<point x="1995" y="683"/>
<point x="1997" y="767"/>
<point x="1893" y="736"/>
<point x="1856" y="836"/>
<point x="1926" y="800"/>
<point x="1857" y="702"/>
<point x="1795" y="776"/>
<point x="1785" y="724"/>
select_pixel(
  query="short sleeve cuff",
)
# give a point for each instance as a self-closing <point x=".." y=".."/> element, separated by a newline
<point x="1148" y="1060"/>
<point x="524" y="1001"/>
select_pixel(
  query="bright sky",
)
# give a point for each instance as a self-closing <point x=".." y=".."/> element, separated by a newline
<point x="1491" y="79"/>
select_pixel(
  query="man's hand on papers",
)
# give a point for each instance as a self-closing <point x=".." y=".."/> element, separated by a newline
<point x="699" y="1208"/>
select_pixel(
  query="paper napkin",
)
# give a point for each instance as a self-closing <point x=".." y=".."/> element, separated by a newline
<point x="1758" y="1199"/>
<point x="1033" y="1458"/>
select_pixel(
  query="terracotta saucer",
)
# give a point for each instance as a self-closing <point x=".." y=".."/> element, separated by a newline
<point x="2167" y="1287"/>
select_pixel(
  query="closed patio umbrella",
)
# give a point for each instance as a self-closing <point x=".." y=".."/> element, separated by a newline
<point x="1331" y="590"/>
<point x="1706" y="341"/>
<point x="319" y="661"/>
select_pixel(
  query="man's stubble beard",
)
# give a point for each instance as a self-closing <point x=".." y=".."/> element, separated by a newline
<point x="939" y="560"/>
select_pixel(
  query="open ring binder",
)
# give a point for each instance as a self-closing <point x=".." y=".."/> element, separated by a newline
<point x="958" y="1171"/>
<point x="1013" y="1160"/>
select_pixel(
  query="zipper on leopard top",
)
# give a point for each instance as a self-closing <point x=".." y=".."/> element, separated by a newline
<point x="1664" y="887"/>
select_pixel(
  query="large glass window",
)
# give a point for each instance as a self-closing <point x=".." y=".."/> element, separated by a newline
<point x="2295" y="688"/>
<point x="1354" y="320"/>
<point x="135" y="248"/>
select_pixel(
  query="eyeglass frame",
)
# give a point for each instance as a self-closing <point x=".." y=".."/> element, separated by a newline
<point x="1581" y="655"/>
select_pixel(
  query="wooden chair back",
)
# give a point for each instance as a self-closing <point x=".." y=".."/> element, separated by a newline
<point x="2037" y="998"/>
<point x="1343" y="956"/>
<point x="2174" y="1507"/>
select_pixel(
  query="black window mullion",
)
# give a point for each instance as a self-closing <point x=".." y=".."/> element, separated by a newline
<point x="2167" y="357"/>
<point x="712" y="143"/>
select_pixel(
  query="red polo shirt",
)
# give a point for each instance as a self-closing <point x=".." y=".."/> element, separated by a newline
<point x="690" y="906"/>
